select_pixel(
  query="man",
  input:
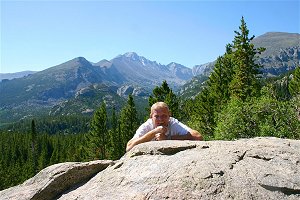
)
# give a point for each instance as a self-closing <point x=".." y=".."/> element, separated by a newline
<point x="161" y="126"/>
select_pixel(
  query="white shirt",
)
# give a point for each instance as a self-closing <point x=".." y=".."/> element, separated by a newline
<point x="175" y="128"/>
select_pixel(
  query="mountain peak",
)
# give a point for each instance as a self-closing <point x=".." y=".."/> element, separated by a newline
<point x="131" y="55"/>
<point x="80" y="60"/>
<point x="174" y="64"/>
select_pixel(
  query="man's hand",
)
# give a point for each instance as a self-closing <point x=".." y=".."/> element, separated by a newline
<point x="160" y="133"/>
<point x="161" y="129"/>
<point x="160" y="136"/>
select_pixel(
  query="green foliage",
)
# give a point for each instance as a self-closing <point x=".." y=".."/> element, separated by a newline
<point x="211" y="100"/>
<point x="29" y="146"/>
<point x="98" y="134"/>
<point x="202" y="111"/>
<point x="279" y="86"/>
<point x="263" y="116"/>
<point x="244" y="83"/>
<point x="233" y="105"/>
<point x="294" y="85"/>
<point x="234" y="76"/>
<point x="116" y="148"/>
<point x="230" y="124"/>
<point x="128" y="121"/>
<point x="16" y="158"/>
<point x="220" y="79"/>
<point x="165" y="94"/>
<point x="73" y="124"/>
<point x="33" y="147"/>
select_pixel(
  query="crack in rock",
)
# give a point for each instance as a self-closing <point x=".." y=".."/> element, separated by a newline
<point x="174" y="150"/>
<point x="118" y="165"/>
<point x="239" y="158"/>
<point x="285" y="190"/>
<point x="211" y="175"/>
<point x="260" y="157"/>
<point x="161" y="151"/>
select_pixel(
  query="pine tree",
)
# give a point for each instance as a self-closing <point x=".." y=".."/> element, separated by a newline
<point x="55" y="154"/>
<point x="165" y="94"/>
<point x="216" y="94"/>
<point x="128" y="121"/>
<point x="294" y="84"/>
<point x="115" y="139"/>
<point x="234" y="75"/>
<point x="202" y="117"/>
<point x="33" y="137"/>
<point x="245" y="83"/>
<point x="219" y="80"/>
<point x="97" y="136"/>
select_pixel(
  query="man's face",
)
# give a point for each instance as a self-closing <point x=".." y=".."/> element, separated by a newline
<point x="160" y="117"/>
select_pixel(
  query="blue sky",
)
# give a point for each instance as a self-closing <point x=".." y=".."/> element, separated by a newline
<point x="36" y="35"/>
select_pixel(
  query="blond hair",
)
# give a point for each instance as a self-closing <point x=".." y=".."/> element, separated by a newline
<point x="159" y="105"/>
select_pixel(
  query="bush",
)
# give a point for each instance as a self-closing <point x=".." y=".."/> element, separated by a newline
<point x="264" y="116"/>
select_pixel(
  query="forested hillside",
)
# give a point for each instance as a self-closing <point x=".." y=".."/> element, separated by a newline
<point x="234" y="102"/>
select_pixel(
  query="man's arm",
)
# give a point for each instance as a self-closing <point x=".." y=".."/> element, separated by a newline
<point x="145" y="138"/>
<point x="191" y="135"/>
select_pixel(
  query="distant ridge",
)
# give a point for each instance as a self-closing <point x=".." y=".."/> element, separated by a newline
<point x="274" y="41"/>
<point x="10" y="76"/>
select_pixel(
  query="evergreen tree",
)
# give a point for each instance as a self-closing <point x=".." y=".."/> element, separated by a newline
<point x="216" y="94"/>
<point x="128" y="121"/>
<point x="55" y="153"/>
<point x="294" y="84"/>
<point x="219" y="80"/>
<point x="245" y="83"/>
<point x="202" y="117"/>
<point x="97" y="137"/>
<point x="42" y="161"/>
<point x="234" y="75"/>
<point x="165" y="94"/>
<point x="33" y="147"/>
<point x="115" y="139"/>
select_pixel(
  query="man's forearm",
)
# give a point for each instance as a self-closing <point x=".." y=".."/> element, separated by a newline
<point x="145" y="138"/>
<point x="194" y="135"/>
<point x="182" y="137"/>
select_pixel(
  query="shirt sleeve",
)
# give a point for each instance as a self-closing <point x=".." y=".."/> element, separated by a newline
<point x="143" y="129"/>
<point x="178" y="128"/>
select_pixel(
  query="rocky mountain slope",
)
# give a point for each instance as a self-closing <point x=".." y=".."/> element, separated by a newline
<point x="282" y="52"/>
<point x="257" y="168"/>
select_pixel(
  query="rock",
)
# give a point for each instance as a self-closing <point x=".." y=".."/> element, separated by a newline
<point x="258" y="168"/>
<point x="55" y="179"/>
<point x="126" y="90"/>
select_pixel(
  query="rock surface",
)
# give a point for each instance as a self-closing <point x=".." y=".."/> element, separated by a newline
<point x="258" y="168"/>
<point x="54" y="180"/>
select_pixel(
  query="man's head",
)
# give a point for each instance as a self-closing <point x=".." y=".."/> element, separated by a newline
<point x="160" y="114"/>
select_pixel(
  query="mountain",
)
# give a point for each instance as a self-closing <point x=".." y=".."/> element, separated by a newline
<point x="203" y="69"/>
<point x="282" y="52"/>
<point x="276" y="41"/>
<point x="137" y="70"/>
<point x="10" y="76"/>
<point x="78" y="86"/>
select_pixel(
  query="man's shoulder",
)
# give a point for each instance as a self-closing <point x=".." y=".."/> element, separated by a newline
<point x="148" y="122"/>
<point x="173" y="120"/>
